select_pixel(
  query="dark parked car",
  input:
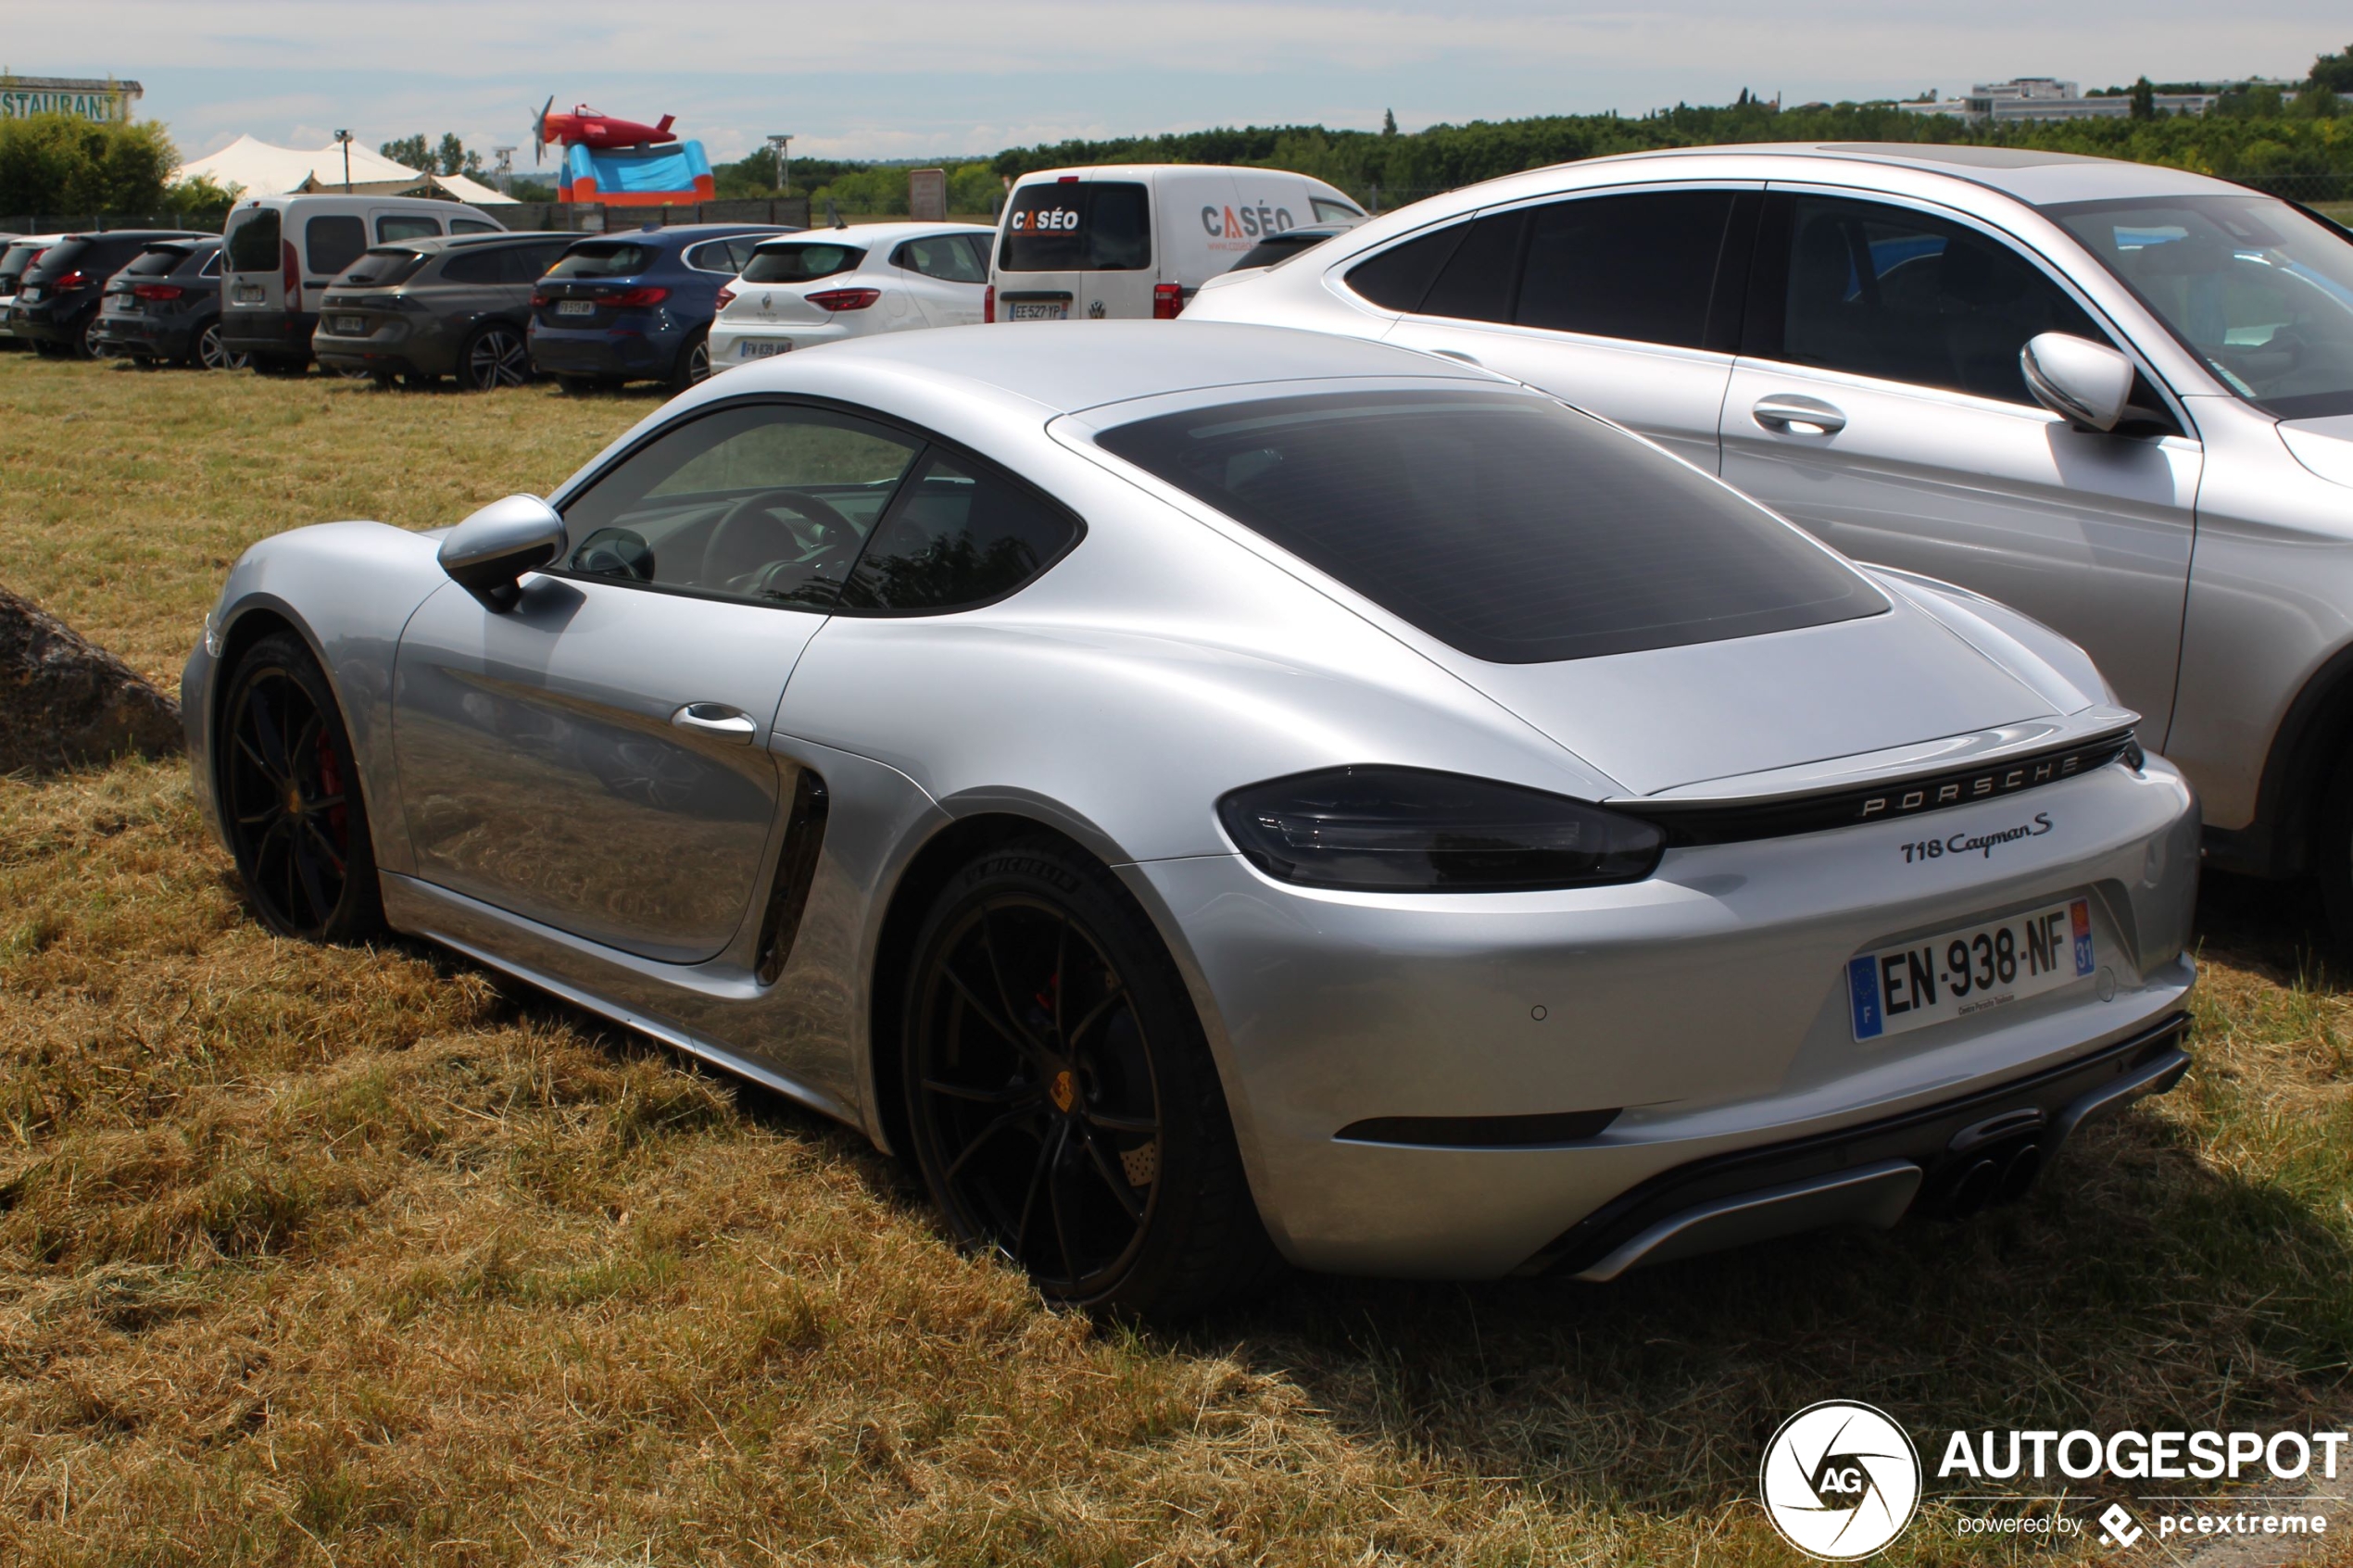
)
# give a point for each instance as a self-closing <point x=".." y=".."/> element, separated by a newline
<point x="426" y="308"/>
<point x="57" y="301"/>
<point x="637" y="306"/>
<point x="16" y="260"/>
<point x="1284" y="244"/>
<point x="165" y="307"/>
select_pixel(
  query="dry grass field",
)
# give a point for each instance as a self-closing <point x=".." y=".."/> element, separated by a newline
<point x="361" y="1256"/>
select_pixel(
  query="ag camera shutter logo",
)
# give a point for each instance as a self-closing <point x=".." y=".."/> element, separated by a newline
<point x="1840" y="1480"/>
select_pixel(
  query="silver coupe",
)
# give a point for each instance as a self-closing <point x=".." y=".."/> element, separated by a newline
<point x="1216" y="794"/>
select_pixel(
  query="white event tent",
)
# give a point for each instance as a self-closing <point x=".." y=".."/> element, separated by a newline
<point x="261" y="169"/>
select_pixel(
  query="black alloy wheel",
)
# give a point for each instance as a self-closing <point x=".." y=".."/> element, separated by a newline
<point x="1064" y="1107"/>
<point x="496" y="356"/>
<point x="289" y="794"/>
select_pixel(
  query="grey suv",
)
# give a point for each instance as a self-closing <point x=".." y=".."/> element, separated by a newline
<point x="2116" y="396"/>
<point x="424" y="309"/>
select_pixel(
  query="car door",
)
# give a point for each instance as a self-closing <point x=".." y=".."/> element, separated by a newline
<point x="945" y="278"/>
<point x="1625" y="303"/>
<point x="1878" y="401"/>
<point x="595" y="757"/>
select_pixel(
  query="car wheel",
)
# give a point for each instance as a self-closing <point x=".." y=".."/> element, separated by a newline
<point x="85" y="341"/>
<point x="694" y="362"/>
<point x="289" y="794"/>
<point x="1064" y="1109"/>
<point x="214" y="355"/>
<point x="493" y="357"/>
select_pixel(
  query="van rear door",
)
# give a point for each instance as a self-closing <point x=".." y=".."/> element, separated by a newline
<point x="1074" y="248"/>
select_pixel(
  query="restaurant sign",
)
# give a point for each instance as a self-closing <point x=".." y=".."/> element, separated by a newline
<point x="106" y="99"/>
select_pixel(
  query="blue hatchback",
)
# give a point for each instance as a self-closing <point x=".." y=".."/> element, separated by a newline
<point x="637" y="306"/>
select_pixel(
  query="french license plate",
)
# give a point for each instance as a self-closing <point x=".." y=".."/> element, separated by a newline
<point x="762" y="347"/>
<point x="131" y="306"/>
<point x="1051" y="311"/>
<point x="349" y="326"/>
<point x="247" y="293"/>
<point x="1962" y="972"/>
<point x="31" y="295"/>
<point x="575" y="307"/>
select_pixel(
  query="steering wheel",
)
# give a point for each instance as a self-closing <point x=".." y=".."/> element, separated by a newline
<point x="746" y="539"/>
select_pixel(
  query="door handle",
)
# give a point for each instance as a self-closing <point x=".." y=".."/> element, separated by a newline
<point x="1795" y="415"/>
<point x="717" y="719"/>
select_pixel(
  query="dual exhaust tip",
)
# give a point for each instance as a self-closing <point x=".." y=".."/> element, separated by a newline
<point x="1988" y="1164"/>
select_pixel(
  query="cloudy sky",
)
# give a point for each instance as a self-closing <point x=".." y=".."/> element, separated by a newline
<point x="919" y="78"/>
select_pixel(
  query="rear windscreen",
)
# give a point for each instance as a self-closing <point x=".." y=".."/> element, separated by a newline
<point x="156" y="262"/>
<point x="1504" y="525"/>
<point x="800" y="263"/>
<point x="609" y="259"/>
<point x="253" y="245"/>
<point x="382" y="268"/>
<point x="16" y="258"/>
<point x="1082" y="226"/>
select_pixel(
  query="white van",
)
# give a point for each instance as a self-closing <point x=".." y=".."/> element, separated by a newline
<point x="283" y="251"/>
<point x="1134" y="240"/>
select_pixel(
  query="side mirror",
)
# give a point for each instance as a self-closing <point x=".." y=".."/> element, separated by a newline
<point x="484" y="554"/>
<point x="2085" y="383"/>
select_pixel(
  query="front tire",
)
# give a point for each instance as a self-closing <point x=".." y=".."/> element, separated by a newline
<point x="290" y="798"/>
<point x="1064" y="1109"/>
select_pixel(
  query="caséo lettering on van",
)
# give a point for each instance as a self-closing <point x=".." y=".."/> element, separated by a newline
<point x="1045" y="220"/>
<point x="1240" y="229"/>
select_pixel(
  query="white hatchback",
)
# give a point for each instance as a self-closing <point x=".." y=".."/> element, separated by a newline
<point x="828" y="285"/>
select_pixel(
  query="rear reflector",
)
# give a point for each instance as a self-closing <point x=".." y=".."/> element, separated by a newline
<point x="1168" y="301"/>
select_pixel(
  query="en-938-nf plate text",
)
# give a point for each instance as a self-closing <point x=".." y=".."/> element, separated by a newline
<point x="1960" y="973"/>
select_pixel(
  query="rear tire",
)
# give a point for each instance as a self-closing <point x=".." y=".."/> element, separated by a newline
<point x="212" y="354"/>
<point x="1064" y="1107"/>
<point x="495" y="357"/>
<point x="290" y="798"/>
<point x="694" y="362"/>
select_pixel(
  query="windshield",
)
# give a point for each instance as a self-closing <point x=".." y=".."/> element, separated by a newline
<point x="1503" y="524"/>
<point x="800" y="263"/>
<point x="604" y="260"/>
<point x="2260" y="292"/>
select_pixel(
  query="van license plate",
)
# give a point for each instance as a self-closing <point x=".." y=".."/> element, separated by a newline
<point x="575" y="307"/>
<point x="1055" y="311"/>
<point x="1962" y="972"/>
<point x="762" y="347"/>
<point x="248" y="294"/>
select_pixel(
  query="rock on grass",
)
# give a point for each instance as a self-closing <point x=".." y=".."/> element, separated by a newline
<point x="65" y="701"/>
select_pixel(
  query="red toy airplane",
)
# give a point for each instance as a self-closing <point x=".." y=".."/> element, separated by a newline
<point x="585" y="127"/>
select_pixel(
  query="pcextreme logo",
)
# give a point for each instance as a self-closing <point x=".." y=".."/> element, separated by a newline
<point x="1840" y="1480"/>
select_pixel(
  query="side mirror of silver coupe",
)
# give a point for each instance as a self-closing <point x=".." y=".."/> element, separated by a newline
<point x="484" y="554"/>
<point x="2084" y="382"/>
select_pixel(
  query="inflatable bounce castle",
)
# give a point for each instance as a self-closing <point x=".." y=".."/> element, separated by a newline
<point x="621" y="162"/>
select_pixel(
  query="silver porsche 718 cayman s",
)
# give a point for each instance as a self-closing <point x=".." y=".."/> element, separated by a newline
<point x="1214" y="795"/>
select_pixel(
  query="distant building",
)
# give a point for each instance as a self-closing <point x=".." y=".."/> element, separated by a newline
<point x="107" y="99"/>
<point x="2047" y="97"/>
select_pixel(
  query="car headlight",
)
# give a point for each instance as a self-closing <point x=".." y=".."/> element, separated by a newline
<point x="1414" y="830"/>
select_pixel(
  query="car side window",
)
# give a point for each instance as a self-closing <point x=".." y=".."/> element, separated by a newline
<point x="1882" y="291"/>
<point x="767" y="502"/>
<point x="407" y="226"/>
<point x="332" y="244"/>
<point x="211" y="267"/>
<point x="714" y="256"/>
<point x="528" y="264"/>
<point x="1399" y="278"/>
<point x="958" y="536"/>
<point x="739" y="251"/>
<point x="474" y="267"/>
<point x="943" y="257"/>
<point x="473" y="226"/>
<point x="979" y="244"/>
<point x="1640" y="266"/>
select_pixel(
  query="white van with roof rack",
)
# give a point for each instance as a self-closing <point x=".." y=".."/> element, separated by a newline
<point x="1134" y="240"/>
<point x="283" y="251"/>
